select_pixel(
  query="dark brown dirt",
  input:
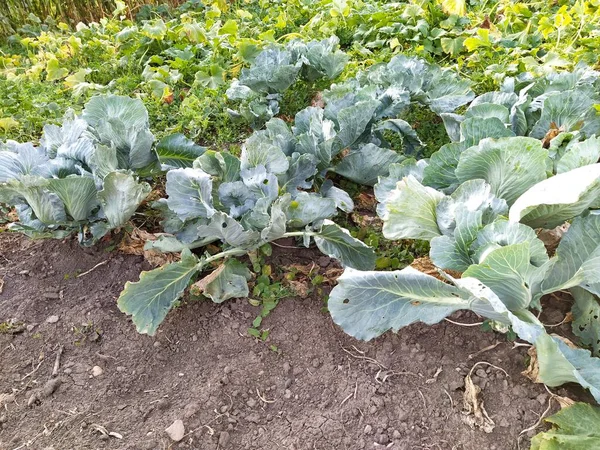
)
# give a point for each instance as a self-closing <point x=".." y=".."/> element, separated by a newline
<point x="322" y="390"/>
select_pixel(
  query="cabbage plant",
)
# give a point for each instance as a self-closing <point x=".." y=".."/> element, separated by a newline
<point x="485" y="229"/>
<point x="84" y="176"/>
<point x="268" y="193"/>
<point x="260" y="87"/>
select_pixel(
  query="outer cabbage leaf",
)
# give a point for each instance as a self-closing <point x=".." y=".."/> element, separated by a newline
<point x="78" y="195"/>
<point x="177" y="151"/>
<point x="121" y="196"/>
<point x="230" y="280"/>
<point x="367" y="304"/>
<point x="577" y="258"/>
<point x="586" y="312"/>
<point x="308" y="208"/>
<point x="337" y="243"/>
<point x="410" y="211"/>
<point x="559" y="363"/>
<point x="575" y="428"/>
<point x="559" y="198"/>
<point x="189" y="193"/>
<point x="509" y="165"/>
<point x="367" y="163"/>
<point x="150" y="299"/>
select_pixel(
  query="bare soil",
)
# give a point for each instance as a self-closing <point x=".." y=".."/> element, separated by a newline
<point x="319" y="389"/>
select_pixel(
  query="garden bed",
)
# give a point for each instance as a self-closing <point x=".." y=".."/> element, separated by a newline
<point x="308" y="386"/>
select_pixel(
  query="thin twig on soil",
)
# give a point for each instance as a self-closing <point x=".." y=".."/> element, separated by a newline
<point x="489" y="364"/>
<point x="263" y="399"/>
<point x="485" y="349"/>
<point x="93" y="268"/>
<point x="423" y="397"/>
<point x="33" y="371"/>
<point x="476" y="324"/>
<point x="57" y="360"/>
<point x="450" y="397"/>
<point x="538" y="423"/>
<point x="352" y="394"/>
<point x="366" y="358"/>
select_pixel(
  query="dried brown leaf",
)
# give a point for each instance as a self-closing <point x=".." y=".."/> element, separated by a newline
<point x="474" y="413"/>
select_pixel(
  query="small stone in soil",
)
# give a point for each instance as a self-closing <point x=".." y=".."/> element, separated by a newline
<point x="251" y="403"/>
<point x="223" y="439"/>
<point x="176" y="431"/>
<point x="97" y="371"/>
<point x="190" y="409"/>
<point x="52" y="319"/>
<point x="368" y="429"/>
<point x="51" y="386"/>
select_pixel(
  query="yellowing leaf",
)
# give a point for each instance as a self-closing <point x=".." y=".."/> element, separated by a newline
<point x="8" y="123"/>
<point x="54" y="71"/>
<point x="456" y="7"/>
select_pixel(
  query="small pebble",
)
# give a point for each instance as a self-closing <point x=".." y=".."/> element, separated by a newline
<point x="223" y="439"/>
<point x="176" y="431"/>
<point x="97" y="371"/>
<point x="52" y="319"/>
<point x="251" y="403"/>
<point x="287" y="394"/>
<point x="368" y="429"/>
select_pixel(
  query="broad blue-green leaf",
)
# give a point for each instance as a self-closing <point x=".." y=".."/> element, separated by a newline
<point x="229" y="280"/>
<point x="337" y="243"/>
<point x="77" y="193"/>
<point x="411" y="144"/>
<point x="177" y="151"/>
<point x="166" y="243"/>
<point x="459" y="218"/>
<point x="104" y="161"/>
<point x="272" y="71"/>
<point x="452" y="123"/>
<point x="324" y="59"/>
<point x="299" y="175"/>
<point x="130" y="112"/>
<point x="342" y="199"/>
<point x="575" y="428"/>
<point x="566" y="110"/>
<point x="353" y="121"/>
<point x="474" y="129"/>
<point x="150" y="299"/>
<point x="258" y="150"/>
<point x="229" y="230"/>
<point x="441" y="171"/>
<point x="586" y="318"/>
<point x="487" y="110"/>
<point x="486" y="303"/>
<point x="506" y="271"/>
<point x="47" y="206"/>
<point x="121" y="196"/>
<point x="276" y="226"/>
<point x="189" y="193"/>
<point x="579" y="154"/>
<point x="237" y="197"/>
<point x="509" y="165"/>
<point x="307" y="208"/>
<point x="501" y="233"/>
<point x="21" y="159"/>
<point x="56" y="136"/>
<point x="577" y="258"/>
<point x="367" y="304"/>
<point x="221" y="165"/>
<point x="551" y="202"/>
<point x="410" y="211"/>
<point x="559" y="364"/>
<point x="365" y="164"/>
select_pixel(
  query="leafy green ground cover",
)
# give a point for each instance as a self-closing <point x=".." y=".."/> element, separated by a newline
<point x="379" y="132"/>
